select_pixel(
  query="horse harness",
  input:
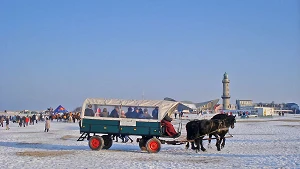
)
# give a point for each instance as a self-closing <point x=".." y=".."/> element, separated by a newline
<point x="222" y="122"/>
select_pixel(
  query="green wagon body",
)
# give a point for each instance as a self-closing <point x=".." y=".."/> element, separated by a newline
<point x="114" y="127"/>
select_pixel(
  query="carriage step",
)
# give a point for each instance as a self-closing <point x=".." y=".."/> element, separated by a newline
<point x="83" y="136"/>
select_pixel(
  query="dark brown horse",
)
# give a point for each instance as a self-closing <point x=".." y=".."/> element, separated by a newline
<point x="229" y="121"/>
<point x="197" y="129"/>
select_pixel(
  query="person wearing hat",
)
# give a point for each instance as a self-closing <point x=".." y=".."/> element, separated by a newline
<point x="89" y="111"/>
<point x="170" y="130"/>
<point x="145" y="115"/>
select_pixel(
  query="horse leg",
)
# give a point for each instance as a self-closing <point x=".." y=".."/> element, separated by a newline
<point x="193" y="145"/>
<point x="209" y="141"/>
<point x="187" y="145"/>
<point x="201" y="143"/>
<point x="222" y="138"/>
<point x="223" y="143"/>
<point x="197" y="141"/>
<point x="218" y="141"/>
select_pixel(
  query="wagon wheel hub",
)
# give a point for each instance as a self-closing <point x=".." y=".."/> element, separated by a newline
<point x="95" y="143"/>
<point x="154" y="146"/>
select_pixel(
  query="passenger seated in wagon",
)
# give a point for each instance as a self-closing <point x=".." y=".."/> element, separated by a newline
<point x="129" y="112"/>
<point x="169" y="127"/>
<point x="104" y="113"/>
<point x="134" y="114"/>
<point x="123" y="114"/>
<point x="155" y="113"/>
<point x="89" y="111"/>
<point x="140" y="111"/>
<point x="145" y="115"/>
<point x="115" y="112"/>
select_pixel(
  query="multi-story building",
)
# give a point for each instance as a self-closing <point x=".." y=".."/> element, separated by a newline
<point x="244" y="104"/>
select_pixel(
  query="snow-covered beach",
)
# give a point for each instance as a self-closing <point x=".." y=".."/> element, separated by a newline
<point x="256" y="143"/>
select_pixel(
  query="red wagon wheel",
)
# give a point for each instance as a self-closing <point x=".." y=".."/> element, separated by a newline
<point x="96" y="143"/>
<point x="153" y="145"/>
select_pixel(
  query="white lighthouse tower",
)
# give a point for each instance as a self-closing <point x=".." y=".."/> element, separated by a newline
<point x="226" y="96"/>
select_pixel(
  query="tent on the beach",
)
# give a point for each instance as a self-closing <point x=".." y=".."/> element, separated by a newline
<point x="60" y="109"/>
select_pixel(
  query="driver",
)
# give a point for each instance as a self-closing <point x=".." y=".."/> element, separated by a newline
<point x="169" y="127"/>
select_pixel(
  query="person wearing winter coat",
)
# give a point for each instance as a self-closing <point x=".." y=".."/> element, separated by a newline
<point x="145" y="115"/>
<point x="155" y="113"/>
<point x="1" y="121"/>
<point x="89" y="111"/>
<point x="115" y="112"/>
<point x="47" y="125"/>
<point x="133" y="114"/>
<point x="170" y="130"/>
<point x="7" y="123"/>
<point x="104" y="113"/>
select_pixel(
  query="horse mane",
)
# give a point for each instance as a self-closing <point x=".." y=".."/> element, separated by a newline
<point x="220" y="116"/>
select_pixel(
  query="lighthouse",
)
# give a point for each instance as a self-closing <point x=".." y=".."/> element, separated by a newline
<point x="226" y="96"/>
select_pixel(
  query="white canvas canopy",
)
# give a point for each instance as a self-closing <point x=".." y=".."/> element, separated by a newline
<point x="165" y="107"/>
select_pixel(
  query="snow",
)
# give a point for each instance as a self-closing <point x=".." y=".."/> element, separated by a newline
<point x="256" y="143"/>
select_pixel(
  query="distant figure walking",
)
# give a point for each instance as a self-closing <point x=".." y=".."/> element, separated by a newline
<point x="7" y="123"/>
<point x="20" y="122"/>
<point x="47" y="125"/>
<point x="1" y="121"/>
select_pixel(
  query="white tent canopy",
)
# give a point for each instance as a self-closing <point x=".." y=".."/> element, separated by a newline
<point x="165" y="107"/>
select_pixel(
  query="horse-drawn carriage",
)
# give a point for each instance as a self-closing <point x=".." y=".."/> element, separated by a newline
<point x="100" y="129"/>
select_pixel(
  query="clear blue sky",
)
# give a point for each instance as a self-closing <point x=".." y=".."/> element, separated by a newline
<point x="61" y="52"/>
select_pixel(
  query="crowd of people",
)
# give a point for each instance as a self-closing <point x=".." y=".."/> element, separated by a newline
<point x="65" y="117"/>
<point x="23" y="121"/>
<point x="31" y="119"/>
